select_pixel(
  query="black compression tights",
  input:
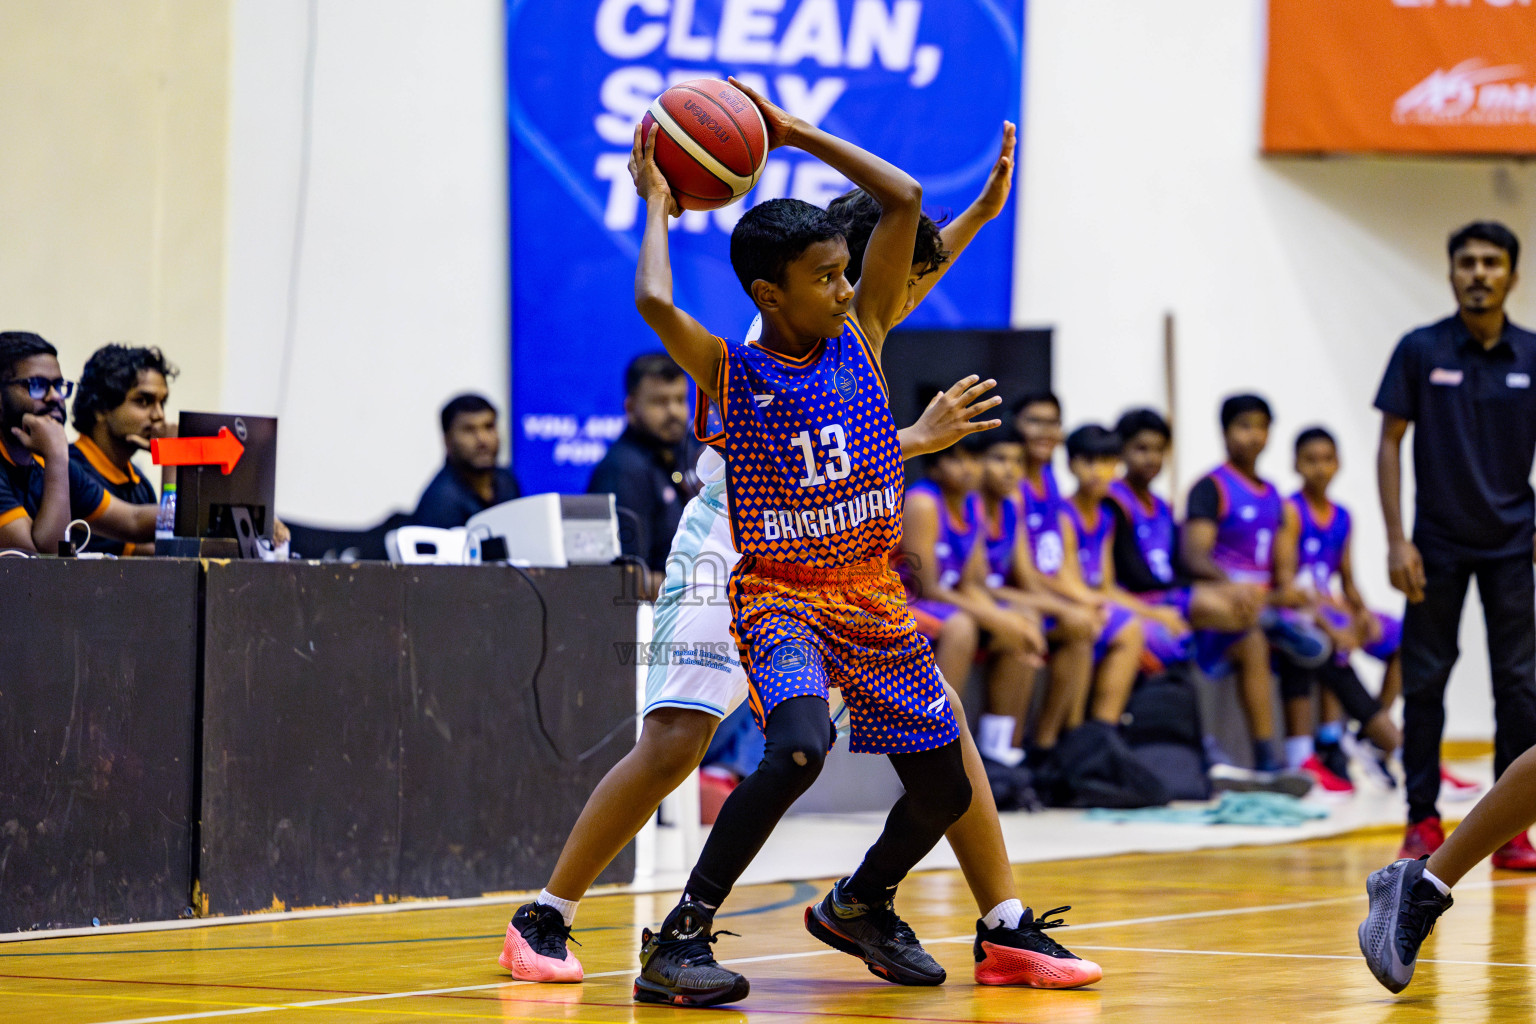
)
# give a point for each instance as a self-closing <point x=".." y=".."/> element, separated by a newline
<point x="797" y="737"/>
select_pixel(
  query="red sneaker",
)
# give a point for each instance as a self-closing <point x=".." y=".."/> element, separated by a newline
<point x="1328" y="783"/>
<point x="1454" y="787"/>
<point x="1516" y="855"/>
<point x="1422" y="839"/>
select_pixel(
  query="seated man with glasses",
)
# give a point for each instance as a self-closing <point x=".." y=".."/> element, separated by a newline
<point x="41" y="490"/>
<point x="119" y="407"/>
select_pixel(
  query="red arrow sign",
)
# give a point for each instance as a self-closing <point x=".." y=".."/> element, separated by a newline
<point x="223" y="451"/>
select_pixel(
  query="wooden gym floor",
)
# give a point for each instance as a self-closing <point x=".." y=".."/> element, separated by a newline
<point x="1250" y="935"/>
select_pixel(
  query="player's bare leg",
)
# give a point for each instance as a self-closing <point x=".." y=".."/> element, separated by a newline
<point x="1255" y="686"/>
<point x="1071" y="671"/>
<point x="1117" y="673"/>
<point x="1391" y="684"/>
<point x="1010" y="686"/>
<point x="1011" y="947"/>
<point x="1224" y="607"/>
<point x="671" y="745"/>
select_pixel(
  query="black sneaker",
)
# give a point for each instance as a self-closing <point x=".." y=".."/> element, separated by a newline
<point x="677" y="966"/>
<point x="1403" y="908"/>
<point x="1334" y="758"/>
<point x="885" y="942"/>
<point x="1027" y="956"/>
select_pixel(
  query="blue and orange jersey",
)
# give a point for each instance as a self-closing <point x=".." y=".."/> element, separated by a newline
<point x="1042" y="518"/>
<point x="1248" y="518"/>
<point x="1155" y="529"/>
<point x="813" y="464"/>
<point x="1321" y="548"/>
<point x="953" y="546"/>
<point x="1002" y="533"/>
<point x="1091" y="538"/>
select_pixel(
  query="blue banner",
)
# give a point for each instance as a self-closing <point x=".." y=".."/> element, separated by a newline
<point x="926" y="84"/>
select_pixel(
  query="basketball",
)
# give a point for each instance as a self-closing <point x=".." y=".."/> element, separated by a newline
<point x="712" y="144"/>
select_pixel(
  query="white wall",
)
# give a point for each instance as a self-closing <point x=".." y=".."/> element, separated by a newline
<point x="1143" y="192"/>
<point x="401" y="287"/>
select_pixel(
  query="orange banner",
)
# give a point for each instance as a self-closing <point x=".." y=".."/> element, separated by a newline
<point x="1401" y="76"/>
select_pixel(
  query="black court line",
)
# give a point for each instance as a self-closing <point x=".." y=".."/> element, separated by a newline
<point x="802" y="891"/>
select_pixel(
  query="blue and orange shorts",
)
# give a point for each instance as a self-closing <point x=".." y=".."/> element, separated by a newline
<point x="804" y="630"/>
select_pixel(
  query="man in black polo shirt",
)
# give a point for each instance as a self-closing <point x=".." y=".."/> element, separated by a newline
<point x="470" y="481"/>
<point x="647" y="467"/>
<point x="1465" y="384"/>
<point x="41" y="490"/>
<point x="119" y="407"/>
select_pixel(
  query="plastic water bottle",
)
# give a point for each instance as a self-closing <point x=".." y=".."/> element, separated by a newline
<point x="165" y="518"/>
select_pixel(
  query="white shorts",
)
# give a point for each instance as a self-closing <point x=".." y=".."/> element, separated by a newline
<point x="693" y="659"/>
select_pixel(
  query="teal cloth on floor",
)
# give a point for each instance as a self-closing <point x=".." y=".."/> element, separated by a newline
<point x="1272" y="809"/>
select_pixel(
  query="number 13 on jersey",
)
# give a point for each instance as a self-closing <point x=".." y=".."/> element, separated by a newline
<point x="836" y="456"/>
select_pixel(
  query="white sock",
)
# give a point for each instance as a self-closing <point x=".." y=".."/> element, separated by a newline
<point x="1009" y="913"/>
<point x="567" y="908"/>
<point x="1297" y="750"/>
<point x="1445" y="890"/>
<point x="994" y="736"/>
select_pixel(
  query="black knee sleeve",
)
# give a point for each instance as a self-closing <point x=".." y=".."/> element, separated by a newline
<point x="1295" y="681"/>
<point x="1344" y="683"/>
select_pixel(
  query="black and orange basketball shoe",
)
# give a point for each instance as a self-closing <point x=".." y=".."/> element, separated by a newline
<point x="677" y="966"/>
<point x="886" y="943"/>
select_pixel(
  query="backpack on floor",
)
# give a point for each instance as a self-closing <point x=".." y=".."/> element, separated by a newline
<point x="1091" y="766"/>
<point x="1162" y="728"/>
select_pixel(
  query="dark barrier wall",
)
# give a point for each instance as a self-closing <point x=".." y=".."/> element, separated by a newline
<point x="98" y="670"/>
<point x="397" y="731"/>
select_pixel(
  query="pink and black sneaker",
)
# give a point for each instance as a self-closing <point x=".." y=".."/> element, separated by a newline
<point x="535" y="946"/>
<point x="1027" y="956"/>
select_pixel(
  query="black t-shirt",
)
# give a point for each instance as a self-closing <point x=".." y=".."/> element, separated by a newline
<point x="1131" y="569"/>
<point x="449" y="500"/>
<point x="131" y="487"/>
<point x="649" y="480"/>
<point x="1474" y="435"/>
<point x="1204" y="501"/>
<point x="21" y="490"/>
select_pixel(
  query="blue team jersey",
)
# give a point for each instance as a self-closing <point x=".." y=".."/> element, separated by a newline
<point x="1042" y="518"/>
<point x="813" y="464"/>
<point x="1250" y="516"/>
<point x="1091" y="539"/>
<point x="953" y="546"/>
<point x="1002" y="534"/>
<point x="1320" y="550"/>
<point x="1154" y="530"/>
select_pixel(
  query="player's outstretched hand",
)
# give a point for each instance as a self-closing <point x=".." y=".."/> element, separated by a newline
<point x="952" y="414"/>
<point x="781" y="126"/>
<point x="994" y="194"/>
<point x="649" y="181"/>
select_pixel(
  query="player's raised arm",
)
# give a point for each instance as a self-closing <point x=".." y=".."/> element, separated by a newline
<point x="958" y="233"/>
<point x="881" y="294"/>
<point x="694" y="348"/>
<point x="950" y="416"/>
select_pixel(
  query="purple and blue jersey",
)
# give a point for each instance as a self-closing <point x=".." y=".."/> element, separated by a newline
<point x="1091" y="541"/>
<point x="1320" y="549"/>
<point x="1154" y="529"/>
<point x="953" y="546"/>
<point x="1248" y="517"/>
<point x="1001" y="536"/>
<point x="1042" y="518"/>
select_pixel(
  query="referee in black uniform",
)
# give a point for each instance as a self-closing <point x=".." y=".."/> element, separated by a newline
<point x="1465" y="384"/>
